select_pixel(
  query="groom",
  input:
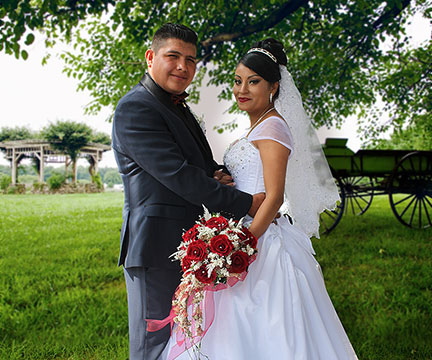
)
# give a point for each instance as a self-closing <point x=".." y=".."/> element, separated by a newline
<point x="168" y="173"/>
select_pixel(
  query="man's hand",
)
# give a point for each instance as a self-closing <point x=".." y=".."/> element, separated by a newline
<point x="223" y="178"/>
<point x="256" y="203"/>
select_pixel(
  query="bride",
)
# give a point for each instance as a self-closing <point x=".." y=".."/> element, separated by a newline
<point x="281" y="310"/>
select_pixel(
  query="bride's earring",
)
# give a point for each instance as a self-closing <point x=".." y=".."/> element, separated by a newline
<point x="271" y="97"/>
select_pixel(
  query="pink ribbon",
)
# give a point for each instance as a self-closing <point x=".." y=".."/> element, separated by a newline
<point x="183" y="343"/>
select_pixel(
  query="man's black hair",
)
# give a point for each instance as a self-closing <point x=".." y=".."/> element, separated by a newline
<point x="173" y="31"/>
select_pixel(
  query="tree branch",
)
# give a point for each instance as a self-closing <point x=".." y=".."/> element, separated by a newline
<point x="380" y="22"/>
<point x="273" y="19"/>
<point x="391" y="14"/>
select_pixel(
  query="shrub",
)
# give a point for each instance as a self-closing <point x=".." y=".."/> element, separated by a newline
<point x="55" y="181"/>
<point x="38" y="187"/>
<point x="97" y="180"/>
<point x="16" y="189"/>
<point x="5" y="181"/>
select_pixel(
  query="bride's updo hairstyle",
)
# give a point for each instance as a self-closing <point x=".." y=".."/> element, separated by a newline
<point x="263" y="64"/>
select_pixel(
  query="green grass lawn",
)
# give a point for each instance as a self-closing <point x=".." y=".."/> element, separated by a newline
<point x="62" y="295"/>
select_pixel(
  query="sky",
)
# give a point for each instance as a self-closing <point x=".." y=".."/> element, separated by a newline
<point x="33" y="95"/>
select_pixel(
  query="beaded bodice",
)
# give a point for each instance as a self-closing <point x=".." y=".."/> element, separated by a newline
<point x="243" y="161"/>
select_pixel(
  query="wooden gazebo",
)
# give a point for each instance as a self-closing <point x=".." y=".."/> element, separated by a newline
<point x="42" y="150"/>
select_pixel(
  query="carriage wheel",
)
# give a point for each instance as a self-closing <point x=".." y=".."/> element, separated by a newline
<point x="410" y="190"/>
<point x="330" y="218"/>
<point x="359" y="191"/>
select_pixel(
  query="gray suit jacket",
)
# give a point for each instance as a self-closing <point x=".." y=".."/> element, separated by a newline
<point x="167" y="170"/>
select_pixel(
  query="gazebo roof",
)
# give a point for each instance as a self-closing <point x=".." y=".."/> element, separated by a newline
<point x="42" y="142"/>
<point x="29" y="146"/>
<point x="42" y="150"/>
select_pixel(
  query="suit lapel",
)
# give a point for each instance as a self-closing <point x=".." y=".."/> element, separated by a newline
<point x="184" y="114"/>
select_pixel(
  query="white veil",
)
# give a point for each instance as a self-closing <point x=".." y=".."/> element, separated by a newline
<point x="309" y="185"/>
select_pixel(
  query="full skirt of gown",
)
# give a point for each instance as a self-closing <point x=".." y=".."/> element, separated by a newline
<point x="281" y="310"/>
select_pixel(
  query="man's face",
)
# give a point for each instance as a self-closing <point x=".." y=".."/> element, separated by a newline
<point x="173" y="65"/>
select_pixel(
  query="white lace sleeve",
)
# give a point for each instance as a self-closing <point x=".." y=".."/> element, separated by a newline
<point x="273" y="128"/>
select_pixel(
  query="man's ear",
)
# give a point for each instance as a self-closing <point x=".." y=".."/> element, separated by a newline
<point x="149" y="55"/>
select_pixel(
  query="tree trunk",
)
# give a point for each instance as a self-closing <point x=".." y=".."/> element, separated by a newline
<point x="74" y="171"/>
<point x="66" y="169"/>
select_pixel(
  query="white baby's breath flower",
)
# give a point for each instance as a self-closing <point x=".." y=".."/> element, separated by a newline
<point x="214" y="264"/>
<point x="250" y="251"/>
<point x="214" y="256"/>
<point x="224" y="272"/>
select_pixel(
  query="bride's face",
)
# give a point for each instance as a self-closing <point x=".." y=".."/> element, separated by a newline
<point x="251" y="91"/>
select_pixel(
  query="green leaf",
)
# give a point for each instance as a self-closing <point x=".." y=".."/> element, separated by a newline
<point x="24" y="54"/>
<point x="29" y="39"/>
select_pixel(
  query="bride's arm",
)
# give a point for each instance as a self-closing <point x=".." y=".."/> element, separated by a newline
<point x="274" y="157"/>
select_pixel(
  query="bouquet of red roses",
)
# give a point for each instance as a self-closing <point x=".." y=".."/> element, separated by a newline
<point x="214" y="253"/>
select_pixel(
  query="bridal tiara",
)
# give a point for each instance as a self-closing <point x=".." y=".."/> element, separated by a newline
<point x="263" y="51"/>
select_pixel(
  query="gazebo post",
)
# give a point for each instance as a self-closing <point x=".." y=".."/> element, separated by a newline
<point x="42" y="165"/>
<point x="14" y="179"/>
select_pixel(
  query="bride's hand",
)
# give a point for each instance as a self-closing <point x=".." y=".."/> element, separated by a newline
<point x="223" y="178"/>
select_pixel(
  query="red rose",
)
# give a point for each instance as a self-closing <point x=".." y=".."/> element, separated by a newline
<point x="186" y="264"/>
<point x="191" y="234"/>
<point x="202" y="275"/>
<point x="247" y="237"/>
<point x="217" y="222"/>
<point x="240" y="262"/>
<point x="197" y="250"/>
<point x="220" y="244"/>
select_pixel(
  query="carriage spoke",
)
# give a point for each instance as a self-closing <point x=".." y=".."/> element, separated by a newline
<point x="411" y="163"/>
<point x="403" y="212"/>
<point x="427" y="212"/>
<point x="402" y="166"/>
<point x="358" y="179"/>
<point x="412" y="180"/>
<point x="362" y="198"/>
<point x="414" y="173"/>
<point x="352" y="205"/>
<point x="426" y="198"/>
<point x="413" y="212"/>
<point x="406" y="198"/>
<point x="330" y="218"/>
<point x="420" y="210"/>
<point x="358" y="204"/>
<point x="328" y="213"/>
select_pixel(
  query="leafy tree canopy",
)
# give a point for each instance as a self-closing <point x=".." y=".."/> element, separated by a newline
<point x="16" y="133"/>
<point x="68" y="136"/>
<point x="101" y="138"/>
<point x="417" y="136"/>
<point x="335" y="48"/>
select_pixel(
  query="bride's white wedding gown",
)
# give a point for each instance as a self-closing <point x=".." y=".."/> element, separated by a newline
<point x="281" y="310"/>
